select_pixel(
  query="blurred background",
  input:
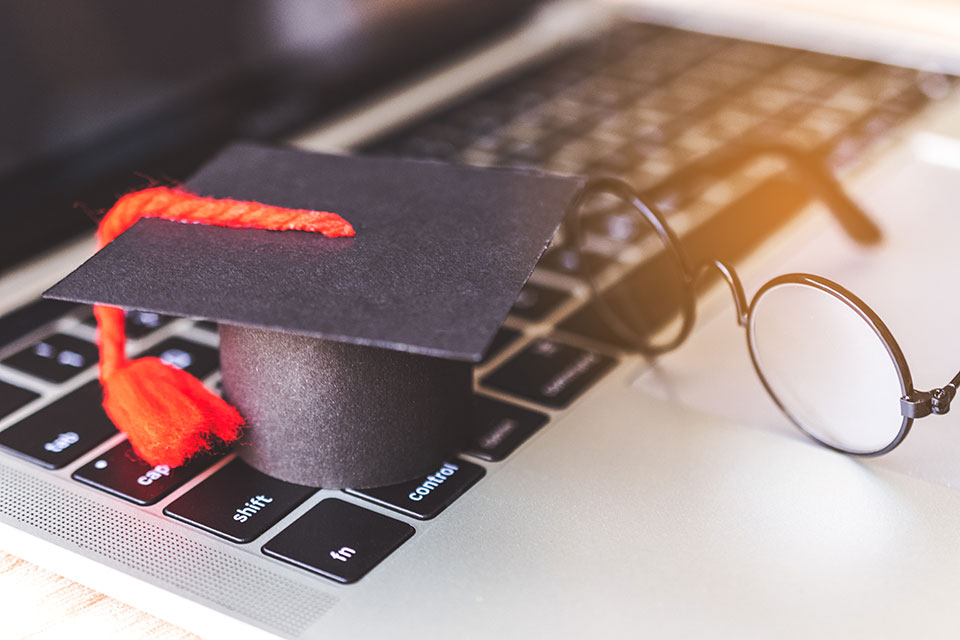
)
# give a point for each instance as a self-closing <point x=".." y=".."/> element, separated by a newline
<point x="96" y="90"/>
<point x="683" y="100"/>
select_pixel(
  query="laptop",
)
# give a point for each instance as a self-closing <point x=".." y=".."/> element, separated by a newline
<point x="608" y="494"/>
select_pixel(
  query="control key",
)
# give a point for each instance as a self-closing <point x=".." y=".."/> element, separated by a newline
<point x="426" y="497"/>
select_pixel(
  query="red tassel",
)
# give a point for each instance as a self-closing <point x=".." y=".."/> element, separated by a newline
<point x="167" y="414"/>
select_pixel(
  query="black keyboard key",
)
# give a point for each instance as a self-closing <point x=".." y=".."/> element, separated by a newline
<point x="618" y="226"/>
<point x="199" y="360"/>
<point x="572" y="262"/>
<point x="549" y="372"/>
<point x="22" y="321"/>
<point x="238" y="502"/>
<point x="120" y="472"/>
<point x="424" y="498"/>
<point x="614" y="164"/>
<point x="56" y="358"/>
<point x="207" y="325"/>
<point x="536" y="302"/>
<point x="500" y="427"/>
<point x="504" y="337"/>
<point x="142" y="323"/>
<point x="589" y="322"/>
<point x="139" y="324"/>
<point x="61" y="432"/>
<point x="338" y="540"/>
<point x="649" y="297"/>
<point x="12" y="398"/>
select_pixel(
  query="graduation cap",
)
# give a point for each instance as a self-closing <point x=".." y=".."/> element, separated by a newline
<point x="346" y="349"/>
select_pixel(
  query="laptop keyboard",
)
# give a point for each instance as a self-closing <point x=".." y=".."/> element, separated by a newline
<point x="57" y="358"/>
<point x="655" y="106"/>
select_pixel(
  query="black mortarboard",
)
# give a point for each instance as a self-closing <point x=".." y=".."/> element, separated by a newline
<point x="351" y="358"/>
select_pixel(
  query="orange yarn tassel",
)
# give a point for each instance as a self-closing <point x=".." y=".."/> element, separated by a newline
<point x="167" y="414"/>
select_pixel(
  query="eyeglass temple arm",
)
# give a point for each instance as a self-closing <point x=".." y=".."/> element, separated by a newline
<point x="852" y="218"/>
<point x="920" y="404"/>
<point x="848" y="213"/>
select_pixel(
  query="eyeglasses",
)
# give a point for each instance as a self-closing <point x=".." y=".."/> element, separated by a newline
<point x="825" y="357"/>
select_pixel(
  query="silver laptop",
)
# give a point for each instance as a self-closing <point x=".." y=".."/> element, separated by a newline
<point x="603" y="493"/>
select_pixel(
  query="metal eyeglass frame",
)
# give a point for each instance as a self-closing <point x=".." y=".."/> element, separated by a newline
<point x="914" y="404"/>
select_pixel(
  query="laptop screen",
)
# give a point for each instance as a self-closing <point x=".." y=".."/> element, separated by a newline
<point x="103" y="97"/>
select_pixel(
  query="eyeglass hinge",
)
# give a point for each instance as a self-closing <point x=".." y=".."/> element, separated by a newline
<point x="920" y="404"/>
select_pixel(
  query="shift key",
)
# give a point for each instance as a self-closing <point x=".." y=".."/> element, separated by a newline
<point x="61" y="432"/>
<point x="238" y="502"/>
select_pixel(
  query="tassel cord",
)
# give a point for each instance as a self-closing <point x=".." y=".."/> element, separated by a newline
<point x="167" y="414"/>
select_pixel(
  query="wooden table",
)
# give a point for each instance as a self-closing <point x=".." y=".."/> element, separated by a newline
<point x="40" y="604"/>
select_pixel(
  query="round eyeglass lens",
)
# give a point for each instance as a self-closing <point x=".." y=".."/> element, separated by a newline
<point x="826" y="367"/>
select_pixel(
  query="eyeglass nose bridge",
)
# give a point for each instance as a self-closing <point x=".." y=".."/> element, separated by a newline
<point x="733" y="281"/>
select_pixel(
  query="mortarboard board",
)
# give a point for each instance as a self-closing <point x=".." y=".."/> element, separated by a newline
<point x="350" y="357"/>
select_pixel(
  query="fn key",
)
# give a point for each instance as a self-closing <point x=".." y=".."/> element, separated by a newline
<point x="338" y="540"/>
